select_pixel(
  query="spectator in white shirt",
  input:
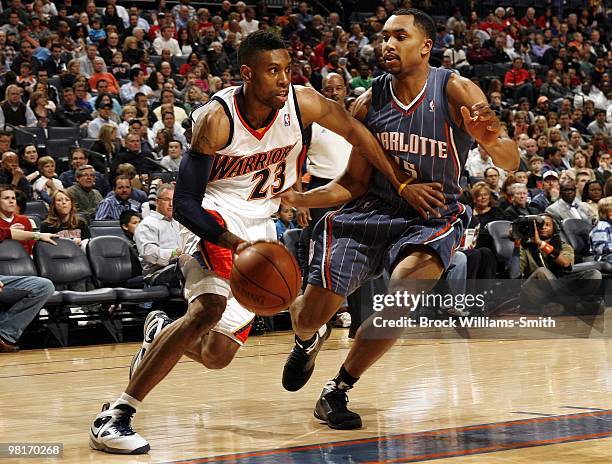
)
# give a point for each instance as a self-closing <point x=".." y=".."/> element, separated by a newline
<point x="167" y="42"/>
<point x="48" y="183"/>
<point x="477" y="164"/>
<point x="128" y="91"/>
<point x="249" y="24"/>
<point x="157" y="240"/>
<point x="169" y="122"/>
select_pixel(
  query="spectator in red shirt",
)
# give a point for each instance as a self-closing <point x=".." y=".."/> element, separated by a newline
<point x="517" y="84"/>
<point x="10" y="220"/>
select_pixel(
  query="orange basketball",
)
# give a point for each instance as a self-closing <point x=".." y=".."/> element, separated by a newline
<point x="265" y="278"/>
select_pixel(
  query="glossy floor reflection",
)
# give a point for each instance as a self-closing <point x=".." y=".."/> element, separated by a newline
<point x="543" y="401"/>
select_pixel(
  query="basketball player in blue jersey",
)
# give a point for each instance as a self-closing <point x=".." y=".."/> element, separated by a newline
<point x="246" y="149"/>
<point x="426" y="119"/>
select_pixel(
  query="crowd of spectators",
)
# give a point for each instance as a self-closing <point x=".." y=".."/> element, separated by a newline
<point x="128" y="78"/>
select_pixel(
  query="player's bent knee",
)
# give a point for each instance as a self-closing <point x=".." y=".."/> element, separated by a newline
<point x="204" y="312"/>
<point x="217" y="360"/>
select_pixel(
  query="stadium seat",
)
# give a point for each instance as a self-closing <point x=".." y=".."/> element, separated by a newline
<point x="105" y="223"/>
<point x="504" y="247"/>
<point x="37" y="207"/>
<point x="58" y="148"/>
<point x="72" y="133"/>
<point x="291" y="239"/>
<point x="37" y="220"/>
<point x="29" y="135"/>
<point x="179" y="61"/>
<point x="103" y="231"/>
<point x="112" y="267"/>
<point x="577" y="234"/>
<point x="15" y="261"/>
<point x="87" y="143"/>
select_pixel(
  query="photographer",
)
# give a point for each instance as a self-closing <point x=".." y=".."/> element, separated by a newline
<point x="541" y="257"/>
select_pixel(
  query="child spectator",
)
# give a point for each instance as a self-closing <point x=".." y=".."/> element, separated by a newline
<point x="284" y="221"/>
<point x="48" y="183"/>
<point x="601" y="235"/>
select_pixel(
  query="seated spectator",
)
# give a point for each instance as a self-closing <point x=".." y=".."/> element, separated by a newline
<point x="599" y="125"/>
<point x="138" y="182"/>
<point x="567" y="206"/>
<point x="157" y="240"/>
<point x="12" y="174"/>
<point x="167" y="42"/>
<point x="169" y="122"/>
<point x="553" y="160"/>
<point x="132" y="154"/>
<point x="591" y="194"/>
<point x="129" y="221"/>
<point x="29" y="162"/>
<point x="173" y="156"/>
<point x="550" y="191"/>
<point x="104" y="118"/>
<point x="71" y="114"/>
<point x="128" y="114"/>
<point x="137" y="85"/>
<point x="9" y="219"/>
<point x="285" y="221"/>
<point x="492" y="178"/>
<point x="601" y="235"/>
<point x="168" y="103"/>
<point x="476" y="165"/>
<point x="86" y="197"/>
<point x="535" y="180"/>
<point x="78" y="158"/>
<point x="604" y="169"/>
<point x="48" y="183"/>
<point x="63" y="219"/>
<point x="106" y="145"/>
<point x="14" y="112"/>
<point x="117" y="201"/>
<point x="519" y="206"/>
<point x="552" y="287"/>
<point x="17" y="315"/>
<point x="484" y="211"/>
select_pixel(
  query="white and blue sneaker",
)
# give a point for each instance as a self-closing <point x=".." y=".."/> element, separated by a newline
<point x="112" y="432"/>
<point x="154" y="324"/>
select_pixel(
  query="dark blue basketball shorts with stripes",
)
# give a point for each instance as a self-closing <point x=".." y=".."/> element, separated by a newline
<point x="367" y="236"/>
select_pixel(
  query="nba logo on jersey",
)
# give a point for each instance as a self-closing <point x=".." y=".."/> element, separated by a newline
<point x="432" y="106"/>
<point x="287" y="119"/>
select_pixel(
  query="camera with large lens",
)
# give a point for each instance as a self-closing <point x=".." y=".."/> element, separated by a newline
<point x="523" y="227"/>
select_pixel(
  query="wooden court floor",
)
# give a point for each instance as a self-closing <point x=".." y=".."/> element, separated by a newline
<point x="451" y="400"/>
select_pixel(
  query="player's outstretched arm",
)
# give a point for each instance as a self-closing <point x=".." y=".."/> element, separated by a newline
<point x="351" y="184"/>
<point x="470" y="110"/>
<point x="314" y="107"/>
<point x="210" y="134"/>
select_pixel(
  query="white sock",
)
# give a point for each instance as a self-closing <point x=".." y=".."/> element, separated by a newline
<point x="126" y="399"/>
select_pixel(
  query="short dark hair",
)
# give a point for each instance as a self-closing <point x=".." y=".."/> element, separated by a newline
<point x="258" y="41"/>
<point x="134" y="72"/>
<point x="126" y="216"/>
<point x="422" y="20"/>
<point x="550" y="151"/>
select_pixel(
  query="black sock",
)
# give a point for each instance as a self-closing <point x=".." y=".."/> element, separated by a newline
<point x="344" y="380"/>
<point x="306" y="343"/>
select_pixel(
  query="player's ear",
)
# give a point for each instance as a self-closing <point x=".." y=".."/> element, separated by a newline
<point x="246" y="72"/>
<point x="427" y="46"/>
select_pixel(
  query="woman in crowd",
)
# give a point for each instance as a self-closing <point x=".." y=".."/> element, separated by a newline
<point x="484" y="211"/>
<point x="106" y="144"/>
<point x="29" y="162"/>
<point x="63" y="219"/>
<point x="591" y="195"/>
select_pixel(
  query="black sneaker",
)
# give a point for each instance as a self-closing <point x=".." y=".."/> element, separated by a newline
<point x="331" y="408"/>
<point x="300" y="363"/>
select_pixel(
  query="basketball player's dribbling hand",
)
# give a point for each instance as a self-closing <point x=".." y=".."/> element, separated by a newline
<point x="481" y="123"/>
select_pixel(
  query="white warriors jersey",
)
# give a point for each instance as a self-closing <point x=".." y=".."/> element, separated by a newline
<point x="255" y="165"/>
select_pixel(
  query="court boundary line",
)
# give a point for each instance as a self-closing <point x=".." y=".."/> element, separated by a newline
<point x="492" y="425"/>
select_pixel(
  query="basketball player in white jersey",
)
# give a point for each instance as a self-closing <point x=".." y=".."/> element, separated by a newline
<point x="246" y="148"/>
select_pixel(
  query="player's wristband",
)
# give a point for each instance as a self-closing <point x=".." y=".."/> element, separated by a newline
<point x="36" y="236"/>
<point x="546" y="248"/>
<point x="401" y="188"/>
